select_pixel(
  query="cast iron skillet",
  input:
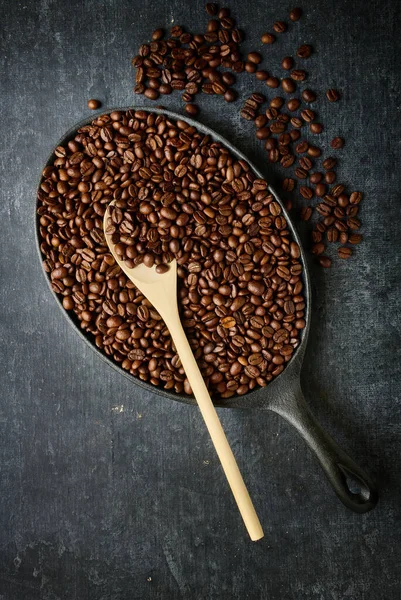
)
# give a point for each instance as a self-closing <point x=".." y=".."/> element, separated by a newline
<point x="283" y="395"/>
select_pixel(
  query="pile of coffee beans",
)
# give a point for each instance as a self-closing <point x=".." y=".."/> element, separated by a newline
<point x="177" y="194"/>
<point x="194" y="63"/>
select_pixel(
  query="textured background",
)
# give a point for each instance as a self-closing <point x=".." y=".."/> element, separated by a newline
<point x="109" y="492"/>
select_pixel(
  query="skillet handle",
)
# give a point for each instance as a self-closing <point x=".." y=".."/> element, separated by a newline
<point x="354" y="488"/>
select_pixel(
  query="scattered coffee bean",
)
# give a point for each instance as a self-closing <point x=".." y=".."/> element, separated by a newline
<point x="337" y="143"/>
<point x="332" y="234"/>
<point x="329" y="163"/>
<point x="287" y="63"/>
<point x="330" y="177"/>
<point x="332" y="95"/>
<point x="355" y="197"/>
<point x="94" y="104"/>
<point x="280" y="27"/>
<point x="306" y="192"/>
<point x="344" y="252"/>
<point x="273" y="82"/>
<point x="302" y="147"/>
<point x="250" y="67"/>
<point x="296" y="14"/>
<point x="254" y="57"/>
<point x="151" y="94"/>
<point x="308" y="115"/>
<point x="306" y="213"/>
<point x="230" y="95"/>
<point x="191" y="109"/>
<point x="261" y="75"/>
<point x="288" y="184"/>
<point x="325" y="262"/>
<point x="355" y="238"/>
<point x="318" y="249"/>
<point x="316" y="128"/>
<point x="314" y="151"/>
<point x="268" y="38"/>
<point x="157" y="35"/>
<point x="288" y="85"/>
<point x="304" y="51"/>
<point x="211" y="9"/>
<point x="308" y="96"/>
<point x="298" y="75"/>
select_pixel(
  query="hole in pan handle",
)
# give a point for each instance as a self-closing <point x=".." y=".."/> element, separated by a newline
<point x="352" y="485"/>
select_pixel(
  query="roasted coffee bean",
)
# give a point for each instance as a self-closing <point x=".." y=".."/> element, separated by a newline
<point x="316" y="128"/>
<point x="308" y="96"/>
<point x="305" y="163"/>
<point x="297" y="123"/>
<point x="261" y="75"/>
<point x="151" y="94"/>
<point x="355" y="238"/>
<point x="332" y="234"/>
<point x="191" y="109"/>
<point x="308" y="115"/>
<point x="254" y="57"/>
<point x="329" y="163"/>
<point x="318" y="249"/>
<point x="178" y="194"/>
<point x="277" y="102"/>
<point x="295" y="14"/>
<point x="94" y="104"/>
<point x="320" y="189"/>
<point x="211" y="9"/>
<point x="337" y="143"/>
<point x="337" y="190"/>
<point x="272" y="82"/>
<point x="280" y="26"/>
<point x="344" y="252"/>
<point x="353" y="223"/>
<point x="332" y="95"/>
<point x="248" y="114"/>
<point x="157" y="35"/>
<point x="315" y="178"/>
<point x="306" y="192"/>
<point x="250" y="67"/>
<point x="325" y="262"/>
<point x="260" y="121"/>
<point x="287" y="63"/>
<point x="230" y="95"/>
<point x="288" y="184"/>
<point x="301" y="173"/>
<point x="330" y="177"/>
<point x="298" y="75"/>
<point x="355" y="197"/>
<point x="314" y="151"/>
<point x="268" y="38"/>
<point x="294" y="135"/>
<point x="293" y="104"/>
<point x="306" y="213"/>
<point x="263" y="133"/>
<point x="342" y="200"/>
<point x="288" y="85"/>
<point x="304" y="51"/>
<point x="287" y="160"/>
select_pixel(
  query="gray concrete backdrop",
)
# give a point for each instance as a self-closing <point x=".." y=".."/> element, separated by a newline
<point x="108" y="492"/>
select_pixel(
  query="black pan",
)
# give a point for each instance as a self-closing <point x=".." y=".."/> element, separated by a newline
<point x="283" y="395"/>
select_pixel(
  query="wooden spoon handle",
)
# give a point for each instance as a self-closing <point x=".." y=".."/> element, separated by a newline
<point x="215" y="428"/>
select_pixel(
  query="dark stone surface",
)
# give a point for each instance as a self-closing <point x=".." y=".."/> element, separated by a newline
<point x="109" y="492"/>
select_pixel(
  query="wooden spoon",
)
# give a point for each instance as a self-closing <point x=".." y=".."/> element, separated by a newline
<point x="161" y="291"/>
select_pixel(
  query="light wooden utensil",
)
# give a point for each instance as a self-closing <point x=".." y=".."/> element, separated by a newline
<point x="161" y="291"/>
